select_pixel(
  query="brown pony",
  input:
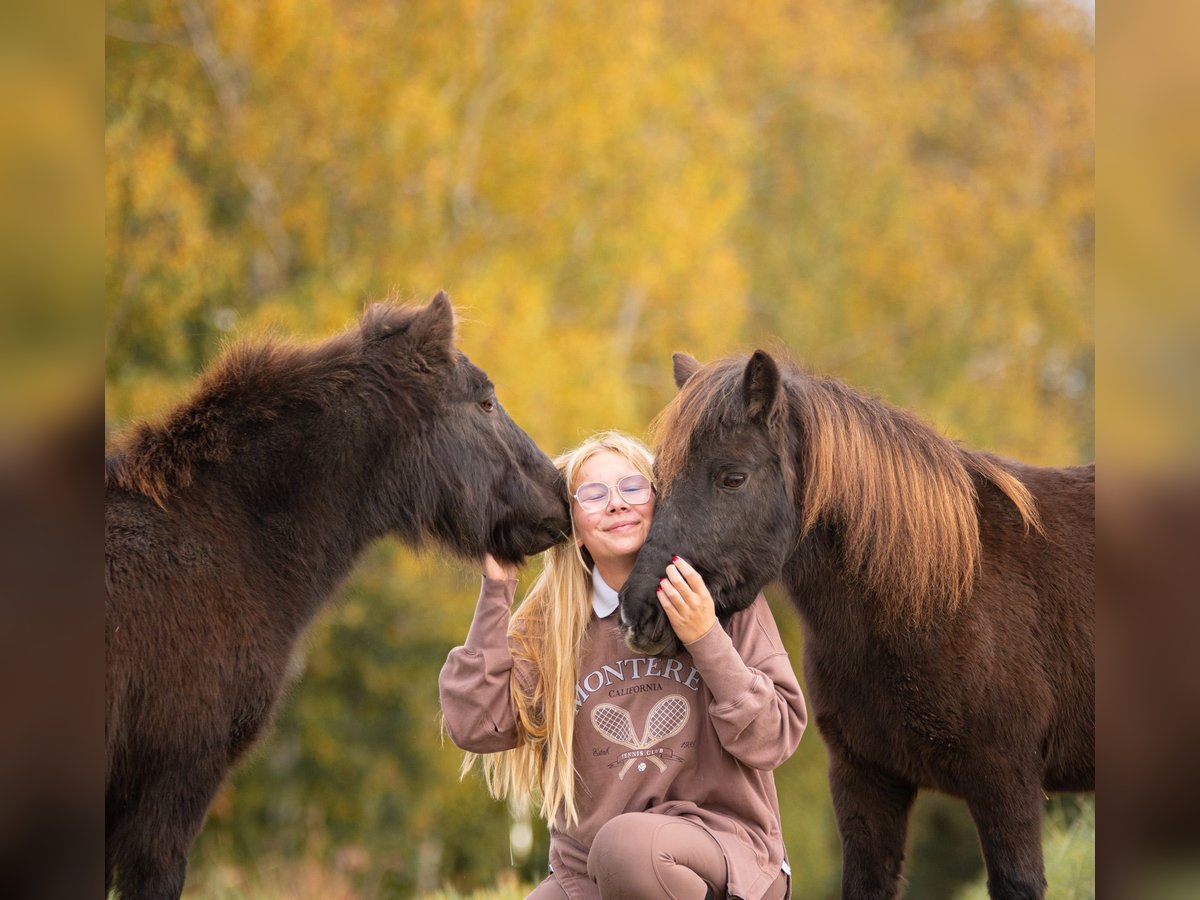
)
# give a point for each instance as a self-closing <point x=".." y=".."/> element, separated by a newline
<point x="946" y="597"/>
<point x="230" y="523"/>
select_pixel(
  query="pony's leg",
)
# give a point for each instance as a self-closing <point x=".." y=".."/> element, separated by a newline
<point x="151" y="873"/>
<point x="1008" y="815"/>
<point x="110" y="861"/>
<point x="152" y="852"/>
<point x="872" y="817"/>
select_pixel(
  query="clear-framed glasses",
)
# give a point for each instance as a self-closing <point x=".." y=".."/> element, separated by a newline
<point x="633" y="489"/>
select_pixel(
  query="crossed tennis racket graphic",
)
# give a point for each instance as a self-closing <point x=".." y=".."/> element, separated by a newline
<point x="665" y="720"/>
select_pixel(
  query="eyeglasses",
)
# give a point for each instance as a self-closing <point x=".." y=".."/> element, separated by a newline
<point x="633" y="489"/>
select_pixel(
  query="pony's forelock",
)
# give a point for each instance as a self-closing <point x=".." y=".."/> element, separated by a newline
<point x="708" y="404"/>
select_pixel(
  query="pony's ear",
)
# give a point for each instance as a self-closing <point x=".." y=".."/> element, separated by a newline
<point x="432" y="331"/>
<point x="426" y="335"/>
<point x="685" y="367"/>
<point x="430" y="336"/>
<point x="761" y="385"/>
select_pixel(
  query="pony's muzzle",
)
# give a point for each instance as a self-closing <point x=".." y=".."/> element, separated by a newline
<point x="650" y="634"/>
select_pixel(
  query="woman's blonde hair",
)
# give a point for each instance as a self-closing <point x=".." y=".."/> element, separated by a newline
<point x="546" y="635"/>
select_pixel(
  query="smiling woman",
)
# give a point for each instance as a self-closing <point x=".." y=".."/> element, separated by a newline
<point x="652" y="773"/>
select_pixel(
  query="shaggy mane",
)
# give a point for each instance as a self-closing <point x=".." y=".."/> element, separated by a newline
<point x="252" y="384"/>
<point x="901" y="495"/>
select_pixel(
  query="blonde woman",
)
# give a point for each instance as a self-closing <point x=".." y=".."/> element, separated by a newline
<point x="655" y="775"/>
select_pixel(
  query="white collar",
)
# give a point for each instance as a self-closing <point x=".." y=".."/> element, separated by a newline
<point x="604" y="598"/>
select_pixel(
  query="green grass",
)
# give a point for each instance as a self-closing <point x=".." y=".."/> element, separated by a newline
<point x="311" y="881"/>
<point x="516" y="892"/>
<point x="1069" y="849"/>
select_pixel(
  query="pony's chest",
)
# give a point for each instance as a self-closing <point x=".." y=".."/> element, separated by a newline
<point x="876" y="707"/>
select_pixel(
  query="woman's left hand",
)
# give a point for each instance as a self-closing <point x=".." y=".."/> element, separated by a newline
<point x="686" y="601"/>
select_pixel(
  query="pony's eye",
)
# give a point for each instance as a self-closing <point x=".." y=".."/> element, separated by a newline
<point x="733" y="480"/>
<point x="487" y="405"/>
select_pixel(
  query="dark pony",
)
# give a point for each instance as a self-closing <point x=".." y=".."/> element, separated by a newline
<point x="229" y="524"/>
<point x="946" y="597"/>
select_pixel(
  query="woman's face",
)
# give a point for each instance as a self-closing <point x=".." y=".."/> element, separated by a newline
<point x="615" y="532"/>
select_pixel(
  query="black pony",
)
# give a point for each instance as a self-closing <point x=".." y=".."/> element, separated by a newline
<point x="230" y="524"/>
<point x="946" y="597"/>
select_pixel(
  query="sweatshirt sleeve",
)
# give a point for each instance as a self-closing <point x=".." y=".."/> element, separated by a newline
<point x="474" y="682"/>
<point x="757" y="708"/>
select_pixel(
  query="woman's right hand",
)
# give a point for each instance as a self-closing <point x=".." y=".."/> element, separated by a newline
<point x="495" y="570"/>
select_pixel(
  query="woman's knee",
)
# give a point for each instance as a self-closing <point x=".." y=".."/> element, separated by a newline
<point x="623" y="846"/>
<point x="648" y="855"/>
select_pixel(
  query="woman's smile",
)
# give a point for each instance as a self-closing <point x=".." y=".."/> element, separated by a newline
<point x="623" y="526"/>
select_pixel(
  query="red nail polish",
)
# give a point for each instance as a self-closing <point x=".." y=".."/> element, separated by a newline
<point x="674" y="559"/>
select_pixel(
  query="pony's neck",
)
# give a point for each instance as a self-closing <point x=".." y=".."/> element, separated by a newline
<point x="820" y="588"/>
<point x="303" y="472"/>
<point x="308" y="499"/>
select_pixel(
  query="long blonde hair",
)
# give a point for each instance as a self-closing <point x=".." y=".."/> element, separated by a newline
<point x="546" y="635"/>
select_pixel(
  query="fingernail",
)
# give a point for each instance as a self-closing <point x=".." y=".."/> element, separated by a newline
<point x="674" y="559"/>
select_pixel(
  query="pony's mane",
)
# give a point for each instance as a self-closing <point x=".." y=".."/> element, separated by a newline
<point x="252" y="384"/>
<point x="901" y="496"/>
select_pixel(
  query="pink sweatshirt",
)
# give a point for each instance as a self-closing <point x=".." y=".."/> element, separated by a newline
<point x="697" y="736"/>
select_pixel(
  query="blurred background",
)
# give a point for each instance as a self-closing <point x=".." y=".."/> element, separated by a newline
<point x="896" y="193"/>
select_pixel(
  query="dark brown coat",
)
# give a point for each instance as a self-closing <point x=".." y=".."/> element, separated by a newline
<point x="947" y="599"/>
<point x="229" y="524"/>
